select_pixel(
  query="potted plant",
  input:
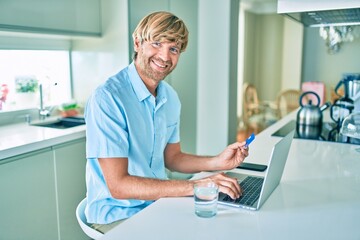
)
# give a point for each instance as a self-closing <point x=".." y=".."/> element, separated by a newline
<point x="26" y="88"/>
<point x="25" y="84"/>
<point x="69" y="109"/>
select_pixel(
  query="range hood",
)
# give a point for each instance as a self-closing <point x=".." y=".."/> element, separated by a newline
<point x="318" y="13"/>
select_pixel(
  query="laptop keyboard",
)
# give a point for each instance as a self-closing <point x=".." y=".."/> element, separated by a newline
<point x="251" y="187"/>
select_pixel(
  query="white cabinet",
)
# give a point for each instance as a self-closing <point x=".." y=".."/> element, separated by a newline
<point x="70" y="161"/>
<point x="39" y="192"/>
<point x="28" y="197"/>
<point x="65" y="17"/>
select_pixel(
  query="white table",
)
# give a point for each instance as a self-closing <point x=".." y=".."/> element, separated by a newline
<point x="318" y="198"/>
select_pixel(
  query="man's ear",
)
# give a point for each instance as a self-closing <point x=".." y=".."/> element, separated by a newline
<point x="137" y="44"/>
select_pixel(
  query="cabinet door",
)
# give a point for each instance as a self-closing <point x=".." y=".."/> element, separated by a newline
<point x="75" y="17"/>
<point x="28" y="199"/>
<point x="70" y="163"/>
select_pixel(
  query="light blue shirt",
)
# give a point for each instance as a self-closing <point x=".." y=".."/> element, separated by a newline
<point x="124" y="120"/>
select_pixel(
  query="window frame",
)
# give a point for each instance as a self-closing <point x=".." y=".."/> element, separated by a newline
<point x="26" y="41"/>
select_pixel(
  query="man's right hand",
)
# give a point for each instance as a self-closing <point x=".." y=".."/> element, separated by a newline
<point x="227" y="185"/>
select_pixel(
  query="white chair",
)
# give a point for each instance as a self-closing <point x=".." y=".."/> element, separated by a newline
<point x="85" y="226"/>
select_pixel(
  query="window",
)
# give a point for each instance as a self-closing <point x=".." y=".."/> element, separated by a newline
<point x="22" y="72"/>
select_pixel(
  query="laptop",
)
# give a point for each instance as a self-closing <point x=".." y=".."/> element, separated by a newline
<point x="257" y="189"/>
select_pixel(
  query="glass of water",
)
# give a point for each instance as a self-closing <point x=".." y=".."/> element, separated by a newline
<point x="206" y="197"/>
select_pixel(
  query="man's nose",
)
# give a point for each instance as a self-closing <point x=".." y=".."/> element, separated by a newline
<point x="164" y="54"/>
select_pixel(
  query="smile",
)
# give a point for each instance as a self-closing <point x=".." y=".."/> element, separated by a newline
<point x="159" y="65"/>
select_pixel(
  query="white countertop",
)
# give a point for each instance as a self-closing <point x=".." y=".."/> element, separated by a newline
<point x="318" y="198"/>
<point x="21" y="138"/>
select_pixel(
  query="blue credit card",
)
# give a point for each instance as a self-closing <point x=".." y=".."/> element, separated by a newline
<point x="250" y="139"/>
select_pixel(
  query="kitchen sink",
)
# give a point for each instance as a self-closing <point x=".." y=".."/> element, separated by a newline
<point x="61" y="123"/>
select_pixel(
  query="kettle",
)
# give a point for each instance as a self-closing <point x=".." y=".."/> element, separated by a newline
<point x="309" y="117"/>
<point x="345" y="105"/>
<point x="351" y="82"/>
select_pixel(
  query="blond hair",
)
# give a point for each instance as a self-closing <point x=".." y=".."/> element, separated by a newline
<point x="162" y="26"/>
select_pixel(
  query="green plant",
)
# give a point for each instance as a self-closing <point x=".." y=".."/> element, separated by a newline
<point x="25" y="84"/>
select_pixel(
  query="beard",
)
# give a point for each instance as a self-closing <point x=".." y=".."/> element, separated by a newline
<point x="148" y="72"/>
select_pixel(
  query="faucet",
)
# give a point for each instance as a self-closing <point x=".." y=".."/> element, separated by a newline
<point x="43" y="112"/>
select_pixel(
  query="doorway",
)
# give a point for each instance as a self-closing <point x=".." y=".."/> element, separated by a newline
<point x="269" y="55"/>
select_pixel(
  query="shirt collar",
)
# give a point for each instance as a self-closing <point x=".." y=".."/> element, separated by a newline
<point x="141" y="90"/>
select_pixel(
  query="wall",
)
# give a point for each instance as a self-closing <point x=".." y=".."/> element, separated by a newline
<point x="264" y="37"/>
<point x="270" y="44"/>
<point x="96" y="59"/>
<point x="292" y="55"/>
<point x="318" y="65"/>
<point x="217" y="75"/>
<point x="250" y="50"/>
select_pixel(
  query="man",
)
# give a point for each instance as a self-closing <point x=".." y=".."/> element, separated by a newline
<point x="132" y="125"/>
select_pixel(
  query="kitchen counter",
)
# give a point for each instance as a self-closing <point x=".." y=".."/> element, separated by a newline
<point x="22" y="138"/>
<point x="41" y="173"/>
<point x="318" y="198"/>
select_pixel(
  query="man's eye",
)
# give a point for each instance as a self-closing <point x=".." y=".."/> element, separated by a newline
<point x="174" y="50"/>
<point x="156" y="44"/>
